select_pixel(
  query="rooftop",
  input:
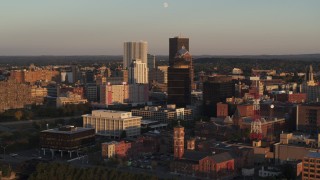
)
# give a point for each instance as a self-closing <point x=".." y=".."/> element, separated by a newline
<point x="67" y="130"/>
<point x="313" y="155"/>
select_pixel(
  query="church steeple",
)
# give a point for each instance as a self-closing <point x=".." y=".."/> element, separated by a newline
<point x="309" y="76"/>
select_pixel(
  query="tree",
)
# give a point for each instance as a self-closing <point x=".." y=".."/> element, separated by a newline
<point x="18" y="115"/>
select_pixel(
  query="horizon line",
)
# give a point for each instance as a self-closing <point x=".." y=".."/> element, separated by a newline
<point x="291" y="54"/>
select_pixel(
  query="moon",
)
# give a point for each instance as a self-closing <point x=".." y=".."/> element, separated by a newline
<point x="165" y="5"/>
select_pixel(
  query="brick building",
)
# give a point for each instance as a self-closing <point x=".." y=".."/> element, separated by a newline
<point x="311" y="166"/>
<point x="15" y="95"/>
<point x="129" y="148"/>
<point x="197" y="163"/>
<point x="26" y="76"/>
<point x="201" y="164"/>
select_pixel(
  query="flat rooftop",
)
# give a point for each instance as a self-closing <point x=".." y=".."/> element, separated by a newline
<point x="73" y="131"/>
<point x="313" y="155"/>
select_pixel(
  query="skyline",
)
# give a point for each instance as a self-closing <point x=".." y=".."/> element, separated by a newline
<point x="213" y="27"/>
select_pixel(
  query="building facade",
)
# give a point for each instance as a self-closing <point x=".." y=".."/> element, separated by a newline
<point x="138" y="72"/>
<point x="28" y="76"/>
<point x="70" y="98"/>
<point x="125" y="93"/>
<point x="178" y="141"/>
<point x="134" y="50"/>
<point x="216" y="89"/>
<point x="113" y="123"/>
<point x="67" y="138"/>
<point x="311" y="166"/>
<point x="175" y="44"/>
<point x="308" y="117"/>
<point x="180" y="72"/>
<point x="15" y="95"/>
<point x="164" y="114"/>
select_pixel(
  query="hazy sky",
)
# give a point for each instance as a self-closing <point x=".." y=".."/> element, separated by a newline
<point x="99" y="27"/>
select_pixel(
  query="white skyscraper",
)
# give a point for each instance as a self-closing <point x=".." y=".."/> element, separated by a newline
<point x="134" y="50"/>
<point x="138" y="72"/>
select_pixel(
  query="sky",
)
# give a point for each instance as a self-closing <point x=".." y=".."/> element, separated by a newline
<point x="215" y="27"/>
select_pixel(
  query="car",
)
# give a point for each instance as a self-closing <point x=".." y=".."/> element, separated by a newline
<point x="13" y="154"/>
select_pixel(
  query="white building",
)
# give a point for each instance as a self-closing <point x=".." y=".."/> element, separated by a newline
<point x="134" y="50"/>
<point x="113" y="123"/>
<point x="138" y="72"/>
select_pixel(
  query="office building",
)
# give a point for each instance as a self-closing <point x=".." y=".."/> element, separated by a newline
<point x="67" y="138"/>
<point x="91" y="92"/>
<point x="134" y="50"/>
<point x="159" y="74"/>
<point x="308" y="116"/>
<point x="175" y="44"/>
<point x="164" y="114"/>
<point x="180" y="72"/>
<point x="113" y="123"/>
<point x="124" y="93"/>
<point x="151" y="61"/>
<point x="138" y="72"/>
<point x="216" y="89"/>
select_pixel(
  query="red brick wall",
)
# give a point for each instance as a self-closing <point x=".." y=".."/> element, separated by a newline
<point x="222" y="110"/>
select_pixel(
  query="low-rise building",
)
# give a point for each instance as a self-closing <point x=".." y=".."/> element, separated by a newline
<point x="130" y="148"/>
<point x="70" y="98"/>
<point x="113" y="123"/>
<point x="66" y="138"/>
<point x="164" y="114"/>
<point x="201" y="164"/>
